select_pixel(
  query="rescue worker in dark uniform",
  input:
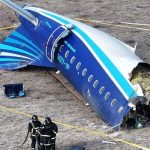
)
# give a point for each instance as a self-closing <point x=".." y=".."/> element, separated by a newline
<point x="45" y="137"/>
<point x="50" y="129"/>
<point x="33" y="126"/>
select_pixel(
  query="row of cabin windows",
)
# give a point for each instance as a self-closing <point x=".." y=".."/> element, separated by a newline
<point x="72" y="59"/>
<point x="95" y="84"/>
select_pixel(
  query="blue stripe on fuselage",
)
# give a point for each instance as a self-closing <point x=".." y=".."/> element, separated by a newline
<point x="48" y="24"/>
<point x="19" y="35"/>
<point x="15" y="49"/>
<point x="9" y="59"/>
<point x="107" y="62"/>
<point x="14" y="41"/>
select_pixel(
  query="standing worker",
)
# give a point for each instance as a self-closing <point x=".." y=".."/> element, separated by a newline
<point x="45" y="137"/>
<point x="33" y="126"/>
<point x="53" y="129"/>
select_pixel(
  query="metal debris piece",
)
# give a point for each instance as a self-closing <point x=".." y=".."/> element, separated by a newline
<point x="108" y="142"/>
<point x="139" y="118"/>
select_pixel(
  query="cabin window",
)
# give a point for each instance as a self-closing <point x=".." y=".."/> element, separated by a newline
<point x="113" y="103"/>
<point x="95" y="83"/>
<point x="120" y="109"/>
<point x="67" y="54"/>
<point x="84" y="72"/>
<point x="72" y="60"/>
<point x="107" y="95"/>
<point x="101" y="90"/>
<point x="90" y="78"/>
<point x="78" y="65"/>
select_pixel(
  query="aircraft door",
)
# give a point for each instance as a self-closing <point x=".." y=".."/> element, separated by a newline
<point x="56" y="40"/>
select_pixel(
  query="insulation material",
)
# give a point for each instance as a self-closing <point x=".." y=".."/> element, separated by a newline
<point x="141" y="76"/>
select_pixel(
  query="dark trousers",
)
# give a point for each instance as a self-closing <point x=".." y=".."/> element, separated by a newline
<point x="53" y="144"/>
<point x="45" y="148"/>
<point x="33" y="141"/>
<point x="51" y="147"/>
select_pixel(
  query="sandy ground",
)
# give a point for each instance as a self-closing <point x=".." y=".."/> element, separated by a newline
<point x="47" y="97"/>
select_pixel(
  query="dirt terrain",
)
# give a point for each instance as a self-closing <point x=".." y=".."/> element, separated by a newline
<point x="77" y="123"/>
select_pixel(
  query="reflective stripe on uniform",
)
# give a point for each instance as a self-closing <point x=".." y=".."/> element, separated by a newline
<point x="45" y="136"/>
<point x="32" y="135"/>
<point x="45" y="144"/>
<point x="54" y="131"/>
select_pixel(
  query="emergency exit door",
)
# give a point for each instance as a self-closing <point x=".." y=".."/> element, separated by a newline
<point x="56" y="40"/>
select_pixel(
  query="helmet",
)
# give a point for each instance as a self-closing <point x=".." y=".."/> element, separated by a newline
<point x="34" y="118"/>
<point x="47" y="120"/>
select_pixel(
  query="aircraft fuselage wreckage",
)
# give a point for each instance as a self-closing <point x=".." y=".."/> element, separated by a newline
<point x="98" y="65"/>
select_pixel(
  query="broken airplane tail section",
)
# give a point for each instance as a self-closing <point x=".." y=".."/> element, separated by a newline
<point x="19" y="50"/>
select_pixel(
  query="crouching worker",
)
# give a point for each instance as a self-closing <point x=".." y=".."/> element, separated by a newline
<point x="48" y="135"/>
<point x="33" y="127"/>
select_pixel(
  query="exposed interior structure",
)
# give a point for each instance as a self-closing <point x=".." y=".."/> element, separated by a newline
<point x="139" y="115"/>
